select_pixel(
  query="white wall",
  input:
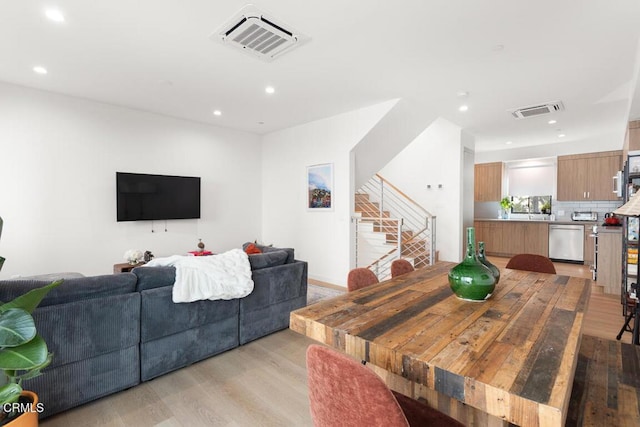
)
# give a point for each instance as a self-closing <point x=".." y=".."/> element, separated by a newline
<point x="58" y="158"/>
<point x="401" y="125"/>
<point x="467" y="188"/>
<point x="320" y="238"/>
<point x="436" y="158"/>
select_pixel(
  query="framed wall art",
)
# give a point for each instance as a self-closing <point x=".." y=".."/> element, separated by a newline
<point x="320" y="187"/>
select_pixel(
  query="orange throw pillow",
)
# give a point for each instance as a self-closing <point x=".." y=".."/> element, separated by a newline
<point x="252" y="249"/>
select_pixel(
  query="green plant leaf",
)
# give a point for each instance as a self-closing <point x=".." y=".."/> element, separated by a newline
<point x="31" y="299"/>
<point x="26" y="356"/>
<point x="37" y="371"/>
<point x="9" y="393"/>
<point x="16" y="327"/>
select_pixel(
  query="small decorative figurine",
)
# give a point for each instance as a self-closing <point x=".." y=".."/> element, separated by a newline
<point x="148" y="256"/>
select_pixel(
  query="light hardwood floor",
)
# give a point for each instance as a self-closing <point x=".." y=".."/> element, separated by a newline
<point x="262" y="383"/>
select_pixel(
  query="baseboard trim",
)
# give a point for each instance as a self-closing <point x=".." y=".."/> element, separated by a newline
<point x="326" y="285"/>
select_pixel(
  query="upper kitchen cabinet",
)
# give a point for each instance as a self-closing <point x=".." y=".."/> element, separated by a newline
<point x="588" y="176"/>
<point x="488" y="182"/>
<point x="634" y="135"/>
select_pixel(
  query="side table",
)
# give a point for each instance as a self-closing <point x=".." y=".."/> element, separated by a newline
<point x="125" y="267"/>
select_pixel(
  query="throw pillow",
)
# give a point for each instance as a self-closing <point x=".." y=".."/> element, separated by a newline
<point x="252" y="249"/>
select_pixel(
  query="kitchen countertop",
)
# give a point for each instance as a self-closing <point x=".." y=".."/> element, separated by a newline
<point x="610" y="229"/>
<point x="601" y="228"/>
<point x="546" y="221"/>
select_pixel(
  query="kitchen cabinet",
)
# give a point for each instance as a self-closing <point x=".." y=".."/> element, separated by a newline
<point x="488" y="182"/>
<point x="589" y="244"/>
<point x="588" y="176"/>
<point x="634" y="135"/>
<point x="513" y="238"/>
<point x="508" y="238"/>
<point x="489" y="232"/>
<point x="610" y="262"/>
<point x="537" y="238"/>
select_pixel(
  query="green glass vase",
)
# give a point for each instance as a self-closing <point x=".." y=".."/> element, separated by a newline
<point x="483" y="259"/>
<point x="471" y="280"/>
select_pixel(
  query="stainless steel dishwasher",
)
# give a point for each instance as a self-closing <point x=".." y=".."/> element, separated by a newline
<point x="566" y="243"/>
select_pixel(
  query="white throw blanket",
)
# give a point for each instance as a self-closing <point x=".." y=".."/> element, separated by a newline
<point x="223" y="276"/>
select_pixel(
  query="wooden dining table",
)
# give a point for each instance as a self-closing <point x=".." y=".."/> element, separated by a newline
<point x="509" y="359"/>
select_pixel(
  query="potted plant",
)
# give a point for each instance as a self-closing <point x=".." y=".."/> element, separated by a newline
<point x="23" y="354"/>
<point x="506" y="204"/>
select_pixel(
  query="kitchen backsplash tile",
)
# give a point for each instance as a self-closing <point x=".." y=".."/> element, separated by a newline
<point x="600" y="207"/>
<point x="490" y="209"/>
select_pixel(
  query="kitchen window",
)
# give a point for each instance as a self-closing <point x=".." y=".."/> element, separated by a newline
<point x="531" y="204"/>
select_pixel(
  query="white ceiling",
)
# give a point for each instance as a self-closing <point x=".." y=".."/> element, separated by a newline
<point x="156" y="55"/>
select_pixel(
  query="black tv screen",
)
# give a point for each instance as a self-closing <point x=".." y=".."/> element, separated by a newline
<point x="153" y="197"/>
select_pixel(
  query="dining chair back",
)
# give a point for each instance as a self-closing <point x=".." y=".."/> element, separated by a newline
<point x="343" y="392"/>
<point x="359" y="278"/>
<point x="531" y="262"/>
<point x="400" y="267"/>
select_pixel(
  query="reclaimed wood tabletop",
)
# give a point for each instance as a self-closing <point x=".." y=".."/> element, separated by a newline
<point x="513" y="356"/>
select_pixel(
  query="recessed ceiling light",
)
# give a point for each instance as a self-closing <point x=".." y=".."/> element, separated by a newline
<point x="39" y="69"/>
<point x="552" y="122"/>
<point x="217" y="112"/>
<point x="270" y="89"/>
<point x="54" y="15"/>
<point x="561" y="135"/>
<point x="509" y="142"/>
<point x="462" y="94"/>
<point x="463" y="108"/>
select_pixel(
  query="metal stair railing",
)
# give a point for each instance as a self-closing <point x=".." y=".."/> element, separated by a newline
<point x="409" y="229"/>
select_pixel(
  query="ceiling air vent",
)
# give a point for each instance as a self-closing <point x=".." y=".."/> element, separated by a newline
<point x="537" y="110"/>
<point x="258" y="34"/>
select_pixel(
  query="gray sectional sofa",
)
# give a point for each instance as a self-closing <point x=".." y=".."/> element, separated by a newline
<point x="111" y="332"/>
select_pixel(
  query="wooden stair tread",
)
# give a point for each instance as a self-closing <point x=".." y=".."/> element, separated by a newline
<point x="382" y="223"/>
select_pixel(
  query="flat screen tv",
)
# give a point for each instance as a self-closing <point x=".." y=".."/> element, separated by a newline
<point x="156" y="197"/>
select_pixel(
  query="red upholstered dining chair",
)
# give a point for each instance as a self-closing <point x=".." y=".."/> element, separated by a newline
<point x="531" y="262"/>
<point x="359" y="278"/>
<point x="345" y="393"/>
<point x="400" y="266"/>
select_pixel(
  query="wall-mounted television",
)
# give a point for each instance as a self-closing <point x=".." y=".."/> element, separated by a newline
<point x="143" y="197"/>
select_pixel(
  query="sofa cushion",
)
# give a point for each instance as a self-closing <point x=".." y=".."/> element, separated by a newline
<point x="72" y="289"/>
<point x="267" y="259"/>
<point x="154" y="277"/>
<point x="51" y="276"/>
<point x="270" y="248"/>
<point x="277" y="292"/>
<point x="85" y="329"/>
<point x="161" y="317"/>
<point x="290" y="253"/>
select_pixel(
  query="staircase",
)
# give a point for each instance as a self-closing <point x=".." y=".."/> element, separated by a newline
<point x="389" y="225"/>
